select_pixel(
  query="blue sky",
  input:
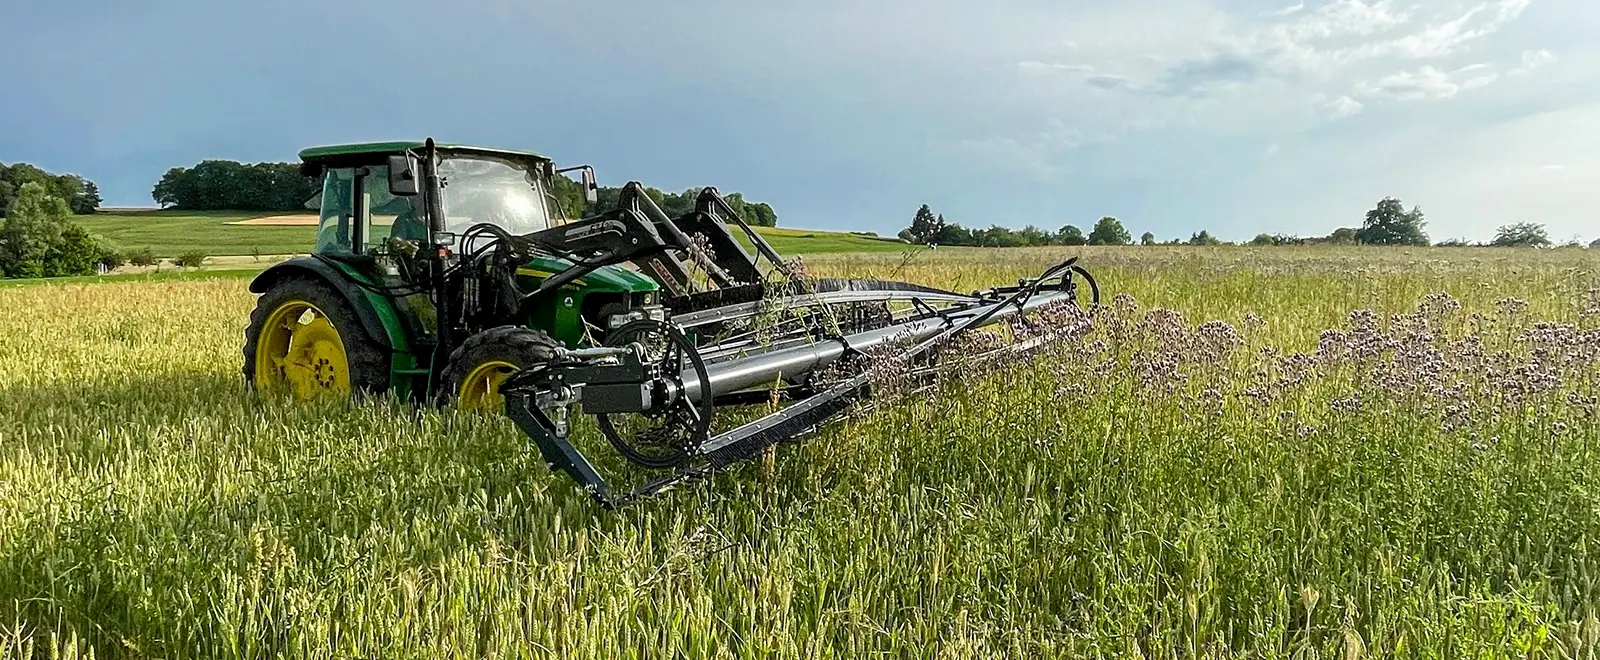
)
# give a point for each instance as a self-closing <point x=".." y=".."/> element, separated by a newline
<point x="1236" y="116"/>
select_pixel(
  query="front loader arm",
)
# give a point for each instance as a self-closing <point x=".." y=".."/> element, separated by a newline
<point x="633" y="197"/>
<point x="616" y="237"/>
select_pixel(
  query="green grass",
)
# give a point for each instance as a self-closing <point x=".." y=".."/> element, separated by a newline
<point x="170" y="233"/>
<point x="1435" y="500"/>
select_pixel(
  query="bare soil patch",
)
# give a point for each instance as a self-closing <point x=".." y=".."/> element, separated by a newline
<point x="299" y="220"/>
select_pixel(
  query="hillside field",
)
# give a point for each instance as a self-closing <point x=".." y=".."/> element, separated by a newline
<point x="171" y="233"/>
<point x="1263" y="453"/>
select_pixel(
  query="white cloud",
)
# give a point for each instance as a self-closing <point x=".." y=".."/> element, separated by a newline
<point x="1342" y="107"/>
<point x="1533" y="60"/>
<point x="1033" y="66"/>
<point x="1321" y="57"/>
<point x="1286" y="11"/>
<point x="1446" y="38"/>
<point x="1429" y="83"/>
<point x="1343" y="18"/>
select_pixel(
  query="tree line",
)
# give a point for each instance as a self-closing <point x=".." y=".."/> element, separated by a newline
<point x="1387" y="223"/>
<point x="930" y="229"/>
<point x="80" y="194"/>
<point x="226" y="185"/>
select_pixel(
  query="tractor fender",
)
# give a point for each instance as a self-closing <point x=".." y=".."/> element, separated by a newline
<point x="377" y="314"/>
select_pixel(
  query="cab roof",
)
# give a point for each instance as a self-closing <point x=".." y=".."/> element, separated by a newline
<point x="340" y="154"/>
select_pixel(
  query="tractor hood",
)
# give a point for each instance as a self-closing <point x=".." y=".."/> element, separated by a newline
<point x="607" y="278"/>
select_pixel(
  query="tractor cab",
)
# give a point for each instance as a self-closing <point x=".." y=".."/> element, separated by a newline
<point x="362" y="215"/>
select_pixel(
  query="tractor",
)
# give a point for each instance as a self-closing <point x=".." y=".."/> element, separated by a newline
<point x="450" y="275"/>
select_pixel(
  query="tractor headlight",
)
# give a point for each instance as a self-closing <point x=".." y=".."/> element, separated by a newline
<point x="652" y="312"/>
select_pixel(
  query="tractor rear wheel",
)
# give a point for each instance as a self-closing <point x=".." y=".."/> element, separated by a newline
<point x="305" y="339"/>
<point x="480" y="364"/>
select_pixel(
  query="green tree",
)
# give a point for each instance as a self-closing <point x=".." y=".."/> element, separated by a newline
<point x="954" y="234"/>
<point x="1595" y="244"/>
<point x="924" y="225"/>
<point x="1071" y="235"/>
<point x="1389" y="223"/>
<point x="1521" y="234"/>
<point x="996" y="236"/>
<point x="73" y="253"/>
<point x="107" y="255"/>
<point x="89" y="201"/>
<point x="1203" y="237"/>
<point x="1262" y="239"/>
<point x="142" y="257"/>
<point x="171" y="188"/>
<point x="1109" y="231"/>
<point x="32" y="227"/>
<point x="1147" y="239"/>
<point x="1033" y="236"/>
<point x="1343" y="236"/>
<point x="38" y="239"/>
<point x="763" y="215"/>
<point x="81" y="195"/>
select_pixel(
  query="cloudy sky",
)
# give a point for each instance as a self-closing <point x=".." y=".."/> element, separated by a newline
<point x="1236" y="116"/>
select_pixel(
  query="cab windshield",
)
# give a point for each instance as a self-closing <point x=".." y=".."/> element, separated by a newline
<point x="500" y="191"/>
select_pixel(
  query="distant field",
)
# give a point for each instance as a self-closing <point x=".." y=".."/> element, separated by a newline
<point x="170" y="233"/>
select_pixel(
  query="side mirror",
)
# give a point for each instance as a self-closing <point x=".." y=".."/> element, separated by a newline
<point x="403" y="175"/>
<point x="591" y="190"/>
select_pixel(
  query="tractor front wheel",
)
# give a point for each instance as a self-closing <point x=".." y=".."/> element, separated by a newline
<point x="304" y="339"/>
<point x="476" y="369"/>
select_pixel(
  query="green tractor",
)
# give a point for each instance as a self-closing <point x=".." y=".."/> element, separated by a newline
<point x="447" y="274"/>
<point x="393" y="297"/>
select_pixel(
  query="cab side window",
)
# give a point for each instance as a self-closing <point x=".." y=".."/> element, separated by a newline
<point x="336" y="227"/>
<point x="382" y="216"/>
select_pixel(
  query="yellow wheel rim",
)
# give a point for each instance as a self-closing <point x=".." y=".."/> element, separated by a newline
<point x="300" y="351"/>
<point x="480" y="390"/>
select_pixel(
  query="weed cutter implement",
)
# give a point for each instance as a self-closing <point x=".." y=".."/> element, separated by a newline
<point x="654" y="369"/>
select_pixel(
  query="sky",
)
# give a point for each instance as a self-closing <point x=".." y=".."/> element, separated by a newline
<point x="1233" y="116"/>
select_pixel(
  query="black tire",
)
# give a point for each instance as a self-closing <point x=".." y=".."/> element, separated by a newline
<point x="367" y="360"/>
<point x="517" y="345"/>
